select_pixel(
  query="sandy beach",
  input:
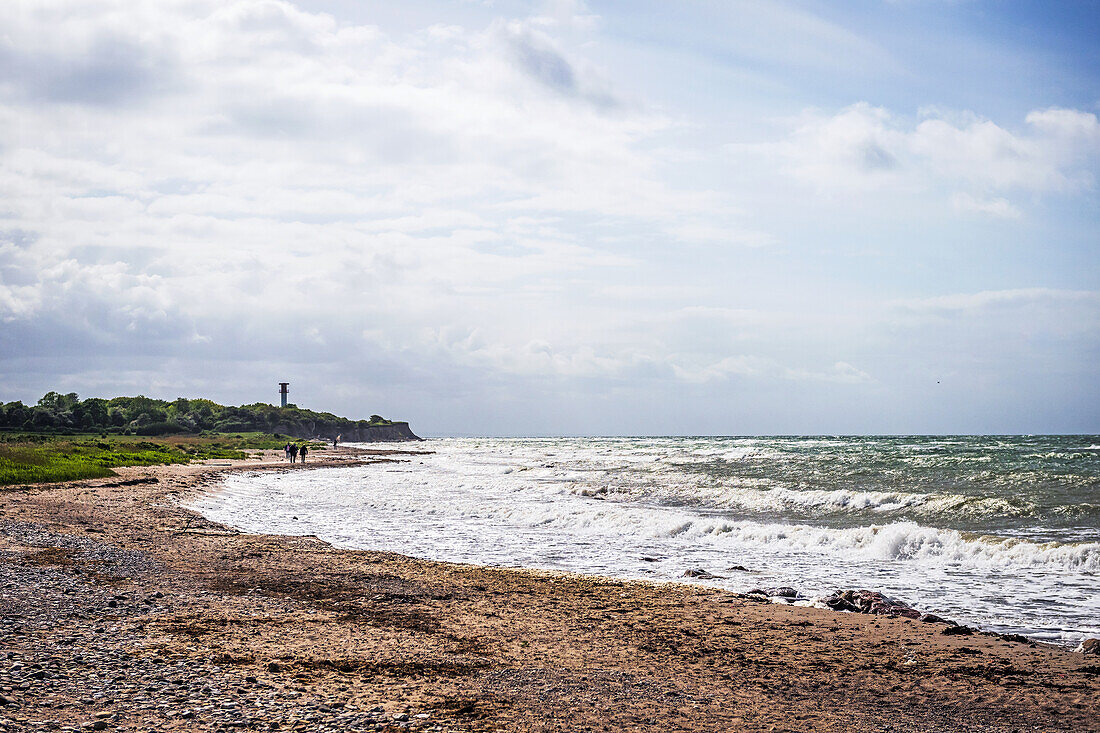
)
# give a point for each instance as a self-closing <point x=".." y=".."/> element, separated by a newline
<point x="124" y="611"/>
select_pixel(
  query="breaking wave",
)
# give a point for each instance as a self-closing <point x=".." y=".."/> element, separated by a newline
<point x="892" y="541"/>
<point x="910" y="541"/>
<point x="776" y="499"/>
<point x="1011" y="544"/>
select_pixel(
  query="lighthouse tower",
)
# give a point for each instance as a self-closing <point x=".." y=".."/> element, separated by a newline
<point x="283" y="389"/>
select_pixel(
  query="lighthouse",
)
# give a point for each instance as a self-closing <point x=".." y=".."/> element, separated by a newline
<point x="283" y="389"/>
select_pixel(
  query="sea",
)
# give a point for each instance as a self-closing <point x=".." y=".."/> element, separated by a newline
<point x="998" y="532"/>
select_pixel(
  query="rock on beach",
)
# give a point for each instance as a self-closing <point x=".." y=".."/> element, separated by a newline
<point x="873" y="602"/>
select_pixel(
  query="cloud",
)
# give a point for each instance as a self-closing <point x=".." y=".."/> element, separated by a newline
<point x="1001" y="327"/>
<point x="998" y="207"/>
<point x="866" y="148"/>
<point x="477" y="214"/>
<point x="1019" y="297"/>
<point x="313" y="177"/>
<point x="714" y="232"/>
<point x="1068" y="124"/>
<point x="537" y="55"/>
<point x="61" y="54"/>
<point x="757" y="367"/>
<point x="544" y="63"/>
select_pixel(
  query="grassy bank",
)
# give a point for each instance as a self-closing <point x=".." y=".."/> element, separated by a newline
<point x="36" y="458"/>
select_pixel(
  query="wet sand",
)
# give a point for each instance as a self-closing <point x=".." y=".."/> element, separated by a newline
<point x="123" y="611"/>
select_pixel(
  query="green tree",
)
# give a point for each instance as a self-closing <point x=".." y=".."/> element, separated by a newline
<point x="56" y="402"/>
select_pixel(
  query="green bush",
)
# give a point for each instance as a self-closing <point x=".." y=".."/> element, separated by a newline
<point x="159" y="428"/>
<point x="60" y="414"/>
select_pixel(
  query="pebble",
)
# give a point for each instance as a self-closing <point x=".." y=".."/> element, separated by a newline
<point x="69" y="653"/>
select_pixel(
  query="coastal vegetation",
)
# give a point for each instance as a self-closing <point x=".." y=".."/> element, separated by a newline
<point x="57" y="413"/>
<point x="38" y="458"/>
<point x="64" y="438"/>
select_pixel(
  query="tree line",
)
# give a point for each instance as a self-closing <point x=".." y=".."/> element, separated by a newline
<point x="67" y="413"/>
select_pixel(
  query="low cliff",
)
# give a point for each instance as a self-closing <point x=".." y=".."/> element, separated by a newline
<point x="349" y="431"/>
<point x="392" y="433"/>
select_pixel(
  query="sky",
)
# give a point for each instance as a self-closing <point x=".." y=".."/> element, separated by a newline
<point x="708" y="217"/>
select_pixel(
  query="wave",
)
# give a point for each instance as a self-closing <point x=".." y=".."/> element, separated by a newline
<point x="736" y="454"/>
<point x="461" y="505"/>
<point x="1078" y="510"/>
<point x="911" y="541"/>
<point x="759" y="496"/>
<point x="901" y="541"/>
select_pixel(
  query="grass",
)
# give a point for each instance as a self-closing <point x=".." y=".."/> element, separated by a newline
<point x="37" y="458"/>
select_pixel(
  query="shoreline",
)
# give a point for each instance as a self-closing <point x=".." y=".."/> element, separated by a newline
<point x="856" y="601"/>
<point x="287" y="632"/>
<point x="671" y="512"/>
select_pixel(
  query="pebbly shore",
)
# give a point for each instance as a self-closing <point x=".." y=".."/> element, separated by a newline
<point x="122" y="611"/>
<point x="95" y="675"/>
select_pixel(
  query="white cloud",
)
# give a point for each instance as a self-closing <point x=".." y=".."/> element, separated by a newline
<point x="715" y="233"/>
<point x="763" y="367"/>
<point x="1016" y="325"/>
<point x="1069" y="124"/>
<point x="200" y="186"/>
<point x="307" y="175"/>
<point x="997" y="207"/>
<point x="870" y="149"/>
<point x="993" y="298"/>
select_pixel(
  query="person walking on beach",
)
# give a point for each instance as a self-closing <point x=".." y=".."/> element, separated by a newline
<point x="302" y="450"/>
<point x="286" y="450"/>
<point x="293" y="453"/>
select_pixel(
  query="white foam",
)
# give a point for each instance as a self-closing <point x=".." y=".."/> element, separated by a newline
<point x="907" y="541"/>
<point x="571" y="505"/>
<point x="763" y="495"/>
<point x="902" y="541"/>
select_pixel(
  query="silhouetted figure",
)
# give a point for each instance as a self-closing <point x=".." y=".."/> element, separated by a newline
<point x="302" y="451"/>
<point x="286" y="450"/>
<point x="293" y="453"/>
<point x="334" y="442"/>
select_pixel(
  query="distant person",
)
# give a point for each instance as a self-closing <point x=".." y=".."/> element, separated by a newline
<point x="286" y="450"/>
<point x="334" y="442"/>
<point x="293" y="453"/>
<point x="302" y="451"/>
